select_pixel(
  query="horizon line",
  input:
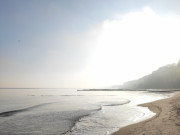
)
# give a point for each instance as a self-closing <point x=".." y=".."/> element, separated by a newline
<point x="36" y="88"/>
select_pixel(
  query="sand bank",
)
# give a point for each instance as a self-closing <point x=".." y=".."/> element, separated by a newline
<point x="165" y="122"/>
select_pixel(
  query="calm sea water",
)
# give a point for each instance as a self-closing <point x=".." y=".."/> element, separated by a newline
<point x="71" y="112"/>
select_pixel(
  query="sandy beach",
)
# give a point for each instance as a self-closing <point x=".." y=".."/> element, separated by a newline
<point x="165" y="122"/>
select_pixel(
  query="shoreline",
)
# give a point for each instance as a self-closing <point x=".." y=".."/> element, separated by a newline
<point x="166" y="120"/>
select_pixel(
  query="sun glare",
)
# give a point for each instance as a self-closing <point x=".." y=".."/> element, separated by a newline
<point x="134" y="45"/>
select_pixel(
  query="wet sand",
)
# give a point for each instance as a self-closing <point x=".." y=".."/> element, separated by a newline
<point x="165" y="122"/>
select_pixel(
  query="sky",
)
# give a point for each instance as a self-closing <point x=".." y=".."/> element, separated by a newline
<point x="85" y="43"/>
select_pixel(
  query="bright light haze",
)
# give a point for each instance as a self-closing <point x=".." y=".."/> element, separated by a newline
<point x="85" y="43"/>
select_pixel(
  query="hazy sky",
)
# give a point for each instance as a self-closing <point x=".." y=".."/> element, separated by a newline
<point x="85" y="43"/>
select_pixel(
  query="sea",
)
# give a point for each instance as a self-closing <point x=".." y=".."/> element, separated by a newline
<point x="72" y="112"/>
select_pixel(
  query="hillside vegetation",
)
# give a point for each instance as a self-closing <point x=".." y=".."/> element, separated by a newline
<point x="166" y="77"/>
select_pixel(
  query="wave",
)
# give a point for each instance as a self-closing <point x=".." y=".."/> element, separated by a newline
<point x="81" y="117"/>
<point x="12" y="112"/>
<point x="115" y="103"/>
<point x="95" y="111"/>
